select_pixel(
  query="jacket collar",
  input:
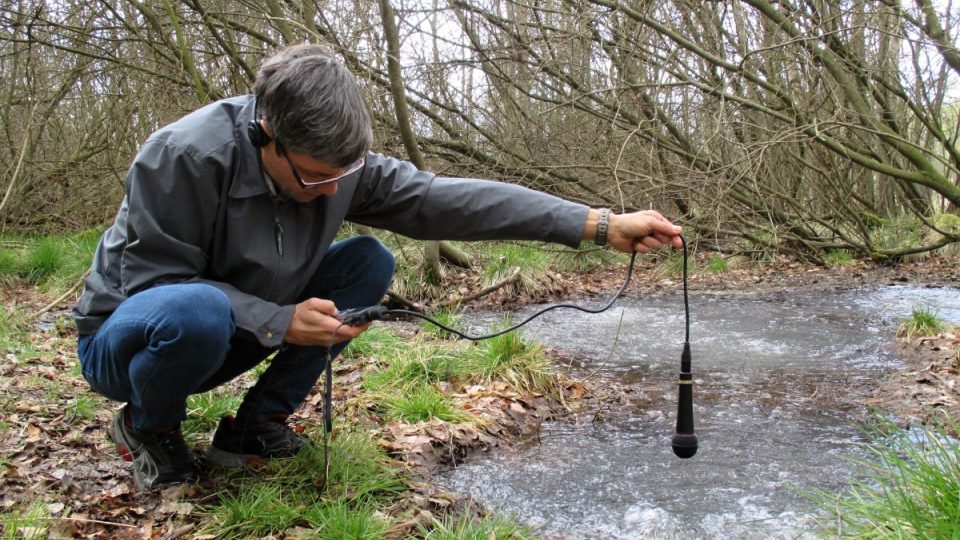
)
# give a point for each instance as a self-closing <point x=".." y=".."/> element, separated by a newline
<point x="250" y="180"/>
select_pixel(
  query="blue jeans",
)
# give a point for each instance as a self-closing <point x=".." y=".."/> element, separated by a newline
<point x="168" y="342"/>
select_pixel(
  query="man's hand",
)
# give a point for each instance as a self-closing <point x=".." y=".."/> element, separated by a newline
<point x="640" y="232"/>
<point x="314" y="323"/>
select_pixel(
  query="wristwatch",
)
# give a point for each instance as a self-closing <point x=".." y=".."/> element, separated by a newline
<point x="603" y="223"/>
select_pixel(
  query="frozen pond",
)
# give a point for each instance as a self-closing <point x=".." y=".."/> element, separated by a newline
<point x="779" y="379"/>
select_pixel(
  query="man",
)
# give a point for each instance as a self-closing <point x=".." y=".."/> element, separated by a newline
<point x="222" y="253"/>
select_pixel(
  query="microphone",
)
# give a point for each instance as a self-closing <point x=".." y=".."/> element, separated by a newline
<point x="684" y="441"/>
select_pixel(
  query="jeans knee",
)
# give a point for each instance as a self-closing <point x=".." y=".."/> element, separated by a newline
<point x="378" y="256"/>
<point x="200" y="314"/>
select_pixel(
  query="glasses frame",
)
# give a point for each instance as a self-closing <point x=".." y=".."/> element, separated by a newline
<point x="354" y="167"/>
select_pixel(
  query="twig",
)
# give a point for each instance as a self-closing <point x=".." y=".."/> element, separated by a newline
<point x="409" y="304"/>
<point x="23" y="152"/>
<point x="70" y="291"/>
<point x="613" y="347"/>
<point x="512" y="278"/>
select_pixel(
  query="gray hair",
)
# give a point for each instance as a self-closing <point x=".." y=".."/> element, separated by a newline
<point x="312" y="105"/>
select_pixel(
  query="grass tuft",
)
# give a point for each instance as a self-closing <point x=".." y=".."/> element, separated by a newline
<point x="377" y="341"/>
<point x="922" y="322"/>
<point x="9" y="267"/>
<point x="13" y="328"/>
<point x="285" y="493"/>
<point x="470" y="528"/>
<point x="31" y="523"/>
<point x="82" y="408"/>
<point x="584" y="260"/>
<point x="838" y="257"/>
<point x="413" y="366"/>
<point x="44" y="258"/>
<point x="56" y="262"/>
<point x="672" y="265"/>
<point x="339" y="520"/>
<point x="424" y="403"/>
<point x="205" y="410"/>
<point x="717" y="264"/>
<point x="255" y="511"/>
<point x="912" y="489"/>
<point x="534" y="264"/>
<point x="448" y="317"/>
<point x="522" y="364"/>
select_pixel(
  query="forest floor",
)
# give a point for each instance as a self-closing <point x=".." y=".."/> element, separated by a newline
<point x="53" y="447"/>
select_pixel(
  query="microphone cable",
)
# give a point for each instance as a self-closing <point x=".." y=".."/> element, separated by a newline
<point x="684" y="441"/>
<point x="374" y="313"/>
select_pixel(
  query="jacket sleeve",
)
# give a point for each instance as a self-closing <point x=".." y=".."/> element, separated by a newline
<point x="173" y="199"/>
<point x="395" y="195"/>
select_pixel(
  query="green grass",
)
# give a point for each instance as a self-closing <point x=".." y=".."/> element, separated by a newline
<point x="448" y="317"/>
<point x="533" y="261"/>
<point x="404" y="384"/>
<point x="409" y="281"/>
<point x="55" y="262"/>
<point x="205" y="410"/>
<point x="337" y="519"/>
<point x="44" y="258"/>
<point x="423" y="403"/>
<point x="912" y="488"/>
<point x="469" y="528"/>
<point x="28" y="524"/>
<point x="13" y="329"/>
<point x="360" y="471"/>
<point x="717" y="264"/>
<point x="9" y="266"/>
<point x="414" y="365"/>
<point x="255" y="511"/>
<point x="838" y="257"/>
<point x="285" y="493"/>
<point x="583" y="260"/>
<point x="82" y="408"/>
<point x="923" y="321"/>
<point x="672" y="265"/>
<point x="522" y="364"/>
<point x="377" y="341"/>
<point x="898" y="232"/>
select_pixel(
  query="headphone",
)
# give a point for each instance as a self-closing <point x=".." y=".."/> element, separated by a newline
<point x="257" y="135"/>
<point x="255" y="132"/>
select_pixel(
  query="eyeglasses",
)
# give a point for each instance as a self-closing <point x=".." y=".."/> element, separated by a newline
<point x="352" y="168"/>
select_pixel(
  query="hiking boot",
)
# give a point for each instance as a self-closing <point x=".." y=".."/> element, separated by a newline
<point x="236" y="445"/>
<point x="159" y="459"/>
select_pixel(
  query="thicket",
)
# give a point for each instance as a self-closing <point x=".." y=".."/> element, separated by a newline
<point x="804" y="128"/>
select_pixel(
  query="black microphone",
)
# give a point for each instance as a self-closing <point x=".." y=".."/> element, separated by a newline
<point x="685" y="440"/>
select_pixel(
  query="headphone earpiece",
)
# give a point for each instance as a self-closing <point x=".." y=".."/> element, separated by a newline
<point x="258" y="136"/>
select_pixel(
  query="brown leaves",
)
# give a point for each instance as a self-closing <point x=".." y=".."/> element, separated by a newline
<point x="928" y="391"/>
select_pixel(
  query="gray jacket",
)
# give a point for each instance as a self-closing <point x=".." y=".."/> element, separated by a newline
<point x="197" y="209"/>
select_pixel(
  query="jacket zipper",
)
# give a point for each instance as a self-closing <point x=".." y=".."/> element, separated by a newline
<point x="278" y="231"/>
